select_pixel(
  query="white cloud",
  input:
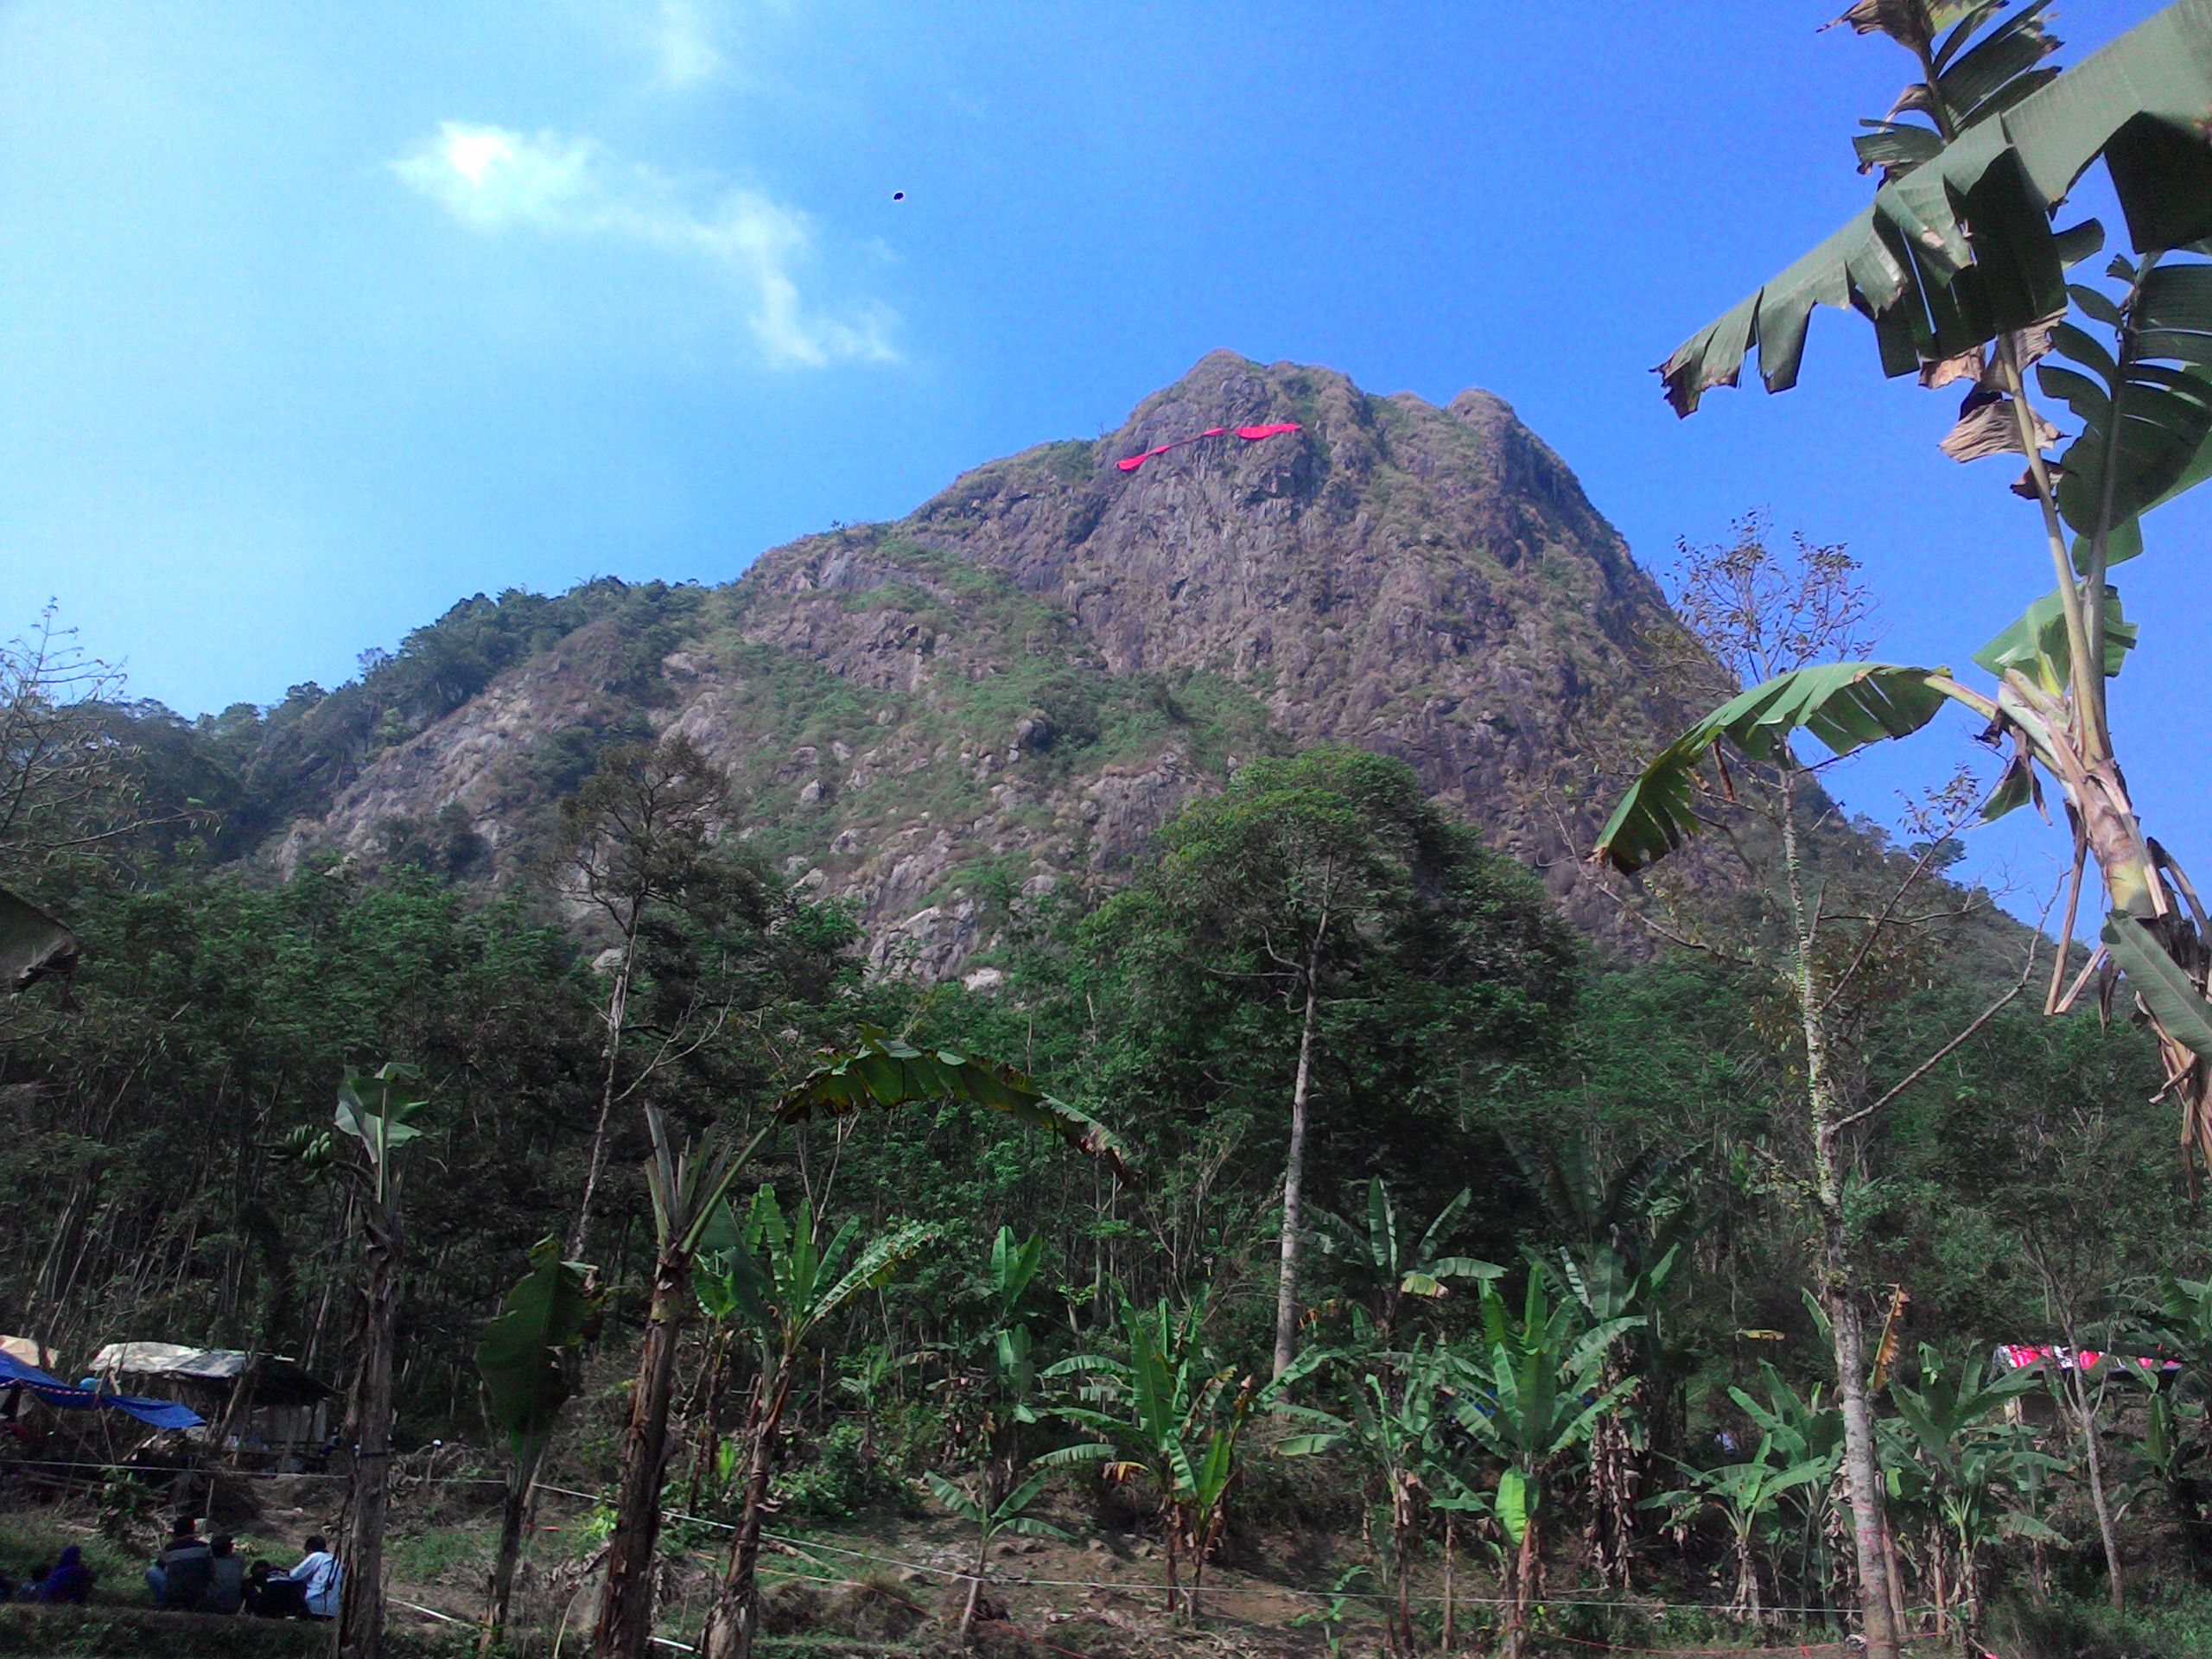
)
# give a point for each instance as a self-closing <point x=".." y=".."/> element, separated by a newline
<point x="684" y="37"/>
<point x="494" y="179"/>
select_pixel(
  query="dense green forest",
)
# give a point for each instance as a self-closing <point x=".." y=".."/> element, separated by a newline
<point x="1515" y="1148"/>
<point x="1297" y="1212"/>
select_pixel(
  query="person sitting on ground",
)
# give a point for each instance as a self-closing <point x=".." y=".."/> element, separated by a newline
<point x="318" y="1574"/>
<point x="33" y="1582"/>
<point x="70" y="1582"/>
<point x="256" y="1588"/>
<point x="225" y="1590"/>
<point x="179" y="1578"/>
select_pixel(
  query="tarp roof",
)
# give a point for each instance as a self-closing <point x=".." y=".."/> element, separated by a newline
<point x="161" y="1414"/>
<point x="276" y="1380"/>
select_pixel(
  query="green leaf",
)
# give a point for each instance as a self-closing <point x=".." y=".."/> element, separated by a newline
<point x="2173" y="1000"/>
<point x="32" y="943"/>
<point x="547" y="1312"/>
<point x="1512" y="1505"/>
<point x="882" y="1072"/>
<point x="2035" y="643"/>
<point x="1895" y="261"/>
<point x="1846" y="705"/>
<point x="954" y="1499"/>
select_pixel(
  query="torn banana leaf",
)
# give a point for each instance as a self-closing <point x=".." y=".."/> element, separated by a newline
<point x="1846" y="705"/>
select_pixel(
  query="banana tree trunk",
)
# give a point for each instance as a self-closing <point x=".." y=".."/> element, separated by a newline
<point x="626" y="1610"/>
<point x="360" y="1597"/>
<point x="1450" y="1562"/>
<point x="514" y="1516"/>
<point x="1616" y="1477"/>
<point x="733" y="1625"/>
<point x="1525" y="1563"/>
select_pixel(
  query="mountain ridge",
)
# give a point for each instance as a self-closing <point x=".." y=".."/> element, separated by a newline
<point x="1009" y="688"/>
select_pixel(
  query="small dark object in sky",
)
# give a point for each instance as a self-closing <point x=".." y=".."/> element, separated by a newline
<point x="898" y="195"/>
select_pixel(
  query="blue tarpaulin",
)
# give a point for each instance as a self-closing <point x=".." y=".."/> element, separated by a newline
<point x="161" y="1413"/>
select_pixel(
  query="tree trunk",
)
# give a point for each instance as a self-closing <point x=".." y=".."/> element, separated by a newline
<point x="514" y="1515"/>
<point x="360" y="1597"/>
<point x="1616" y="1477"/>
<point x="734" y="1623"/>
<point x="1293" y="1170"/>
<point x="1863" y="1475"/>
<point x="2085" y="1419"/>
<point x="1860" y="1460"/>
<point x="1401" y="1568"/>
<point x="1525" y="1565"/>
<point x="1451" y="1561"/>
<point x="618" y="1008"/>
<point x="625" y="1610"/>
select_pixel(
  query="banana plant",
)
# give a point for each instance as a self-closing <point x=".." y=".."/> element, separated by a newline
<point x="1968" y="280"/>
<point x="991" y="1520"/>
<point x="780" y="1282"/>
<point x="1387" y="1264"/>
<point x="522" y="1358"/>
<point x="2174" y="1321"/>
<point x="879" y="1072"/>
<point x="1013" y="1268"/>
<point x="375" y="1114"/>
<point x="1165" y="1413"/>
<point x="1954" y="1425"/>
<point x="1748" y="1495"/>
<point x="1536" y="1392"/>
<point x="1402" y="1425"/>
<point x="1804" y="1428"/>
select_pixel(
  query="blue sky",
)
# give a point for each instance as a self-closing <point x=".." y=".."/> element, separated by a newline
<point x="315" y="318"/>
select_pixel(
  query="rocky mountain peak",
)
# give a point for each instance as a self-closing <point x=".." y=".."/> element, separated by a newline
<point x="1010" y="689"/>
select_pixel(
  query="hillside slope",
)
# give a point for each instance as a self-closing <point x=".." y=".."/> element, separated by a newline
<point x="1011" y="688"/>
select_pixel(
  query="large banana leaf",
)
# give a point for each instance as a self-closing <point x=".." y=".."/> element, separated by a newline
<point x="882" y="1071"/>
<point x="32" y="943"/>
<point x="1933" y="289"/>
<point x="549" y="1311"/>
<point x="1846" y="705"/>
<point x="2146" y="416"/>
<point x="2174" y="1001"/>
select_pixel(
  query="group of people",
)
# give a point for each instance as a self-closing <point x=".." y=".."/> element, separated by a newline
<point x="206" y="1575"/>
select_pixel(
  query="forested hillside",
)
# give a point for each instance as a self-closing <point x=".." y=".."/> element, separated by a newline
<point x="1353" y="1044"/>
<point x="1012" y="688"/>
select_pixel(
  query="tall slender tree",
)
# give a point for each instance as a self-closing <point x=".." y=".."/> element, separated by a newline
<point x="640" y="838"/>
<point x="1315" y="893"/>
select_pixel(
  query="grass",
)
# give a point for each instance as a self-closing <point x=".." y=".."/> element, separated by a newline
<point x="440" y="1554"/>
<point x="2161" y="1618"/>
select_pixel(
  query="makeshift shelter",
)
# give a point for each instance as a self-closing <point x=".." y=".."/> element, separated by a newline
<point x="259" y="1403"/>
<point x="30" y="1352"/>
<point x="18" y="1378"/>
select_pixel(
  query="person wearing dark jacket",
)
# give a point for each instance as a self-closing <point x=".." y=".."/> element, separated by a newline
<point x="71" y="1581"/>
<point x="179" y="1578"/>
<point x="225" y="1590"/>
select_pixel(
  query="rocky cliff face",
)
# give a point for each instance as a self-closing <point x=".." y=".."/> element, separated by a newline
<point x="1008" y="690"/>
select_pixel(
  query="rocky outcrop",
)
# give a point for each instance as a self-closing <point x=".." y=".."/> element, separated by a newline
<point x="1008" y="691"/>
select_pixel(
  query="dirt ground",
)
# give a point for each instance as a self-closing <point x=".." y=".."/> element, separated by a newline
<point x="895" y="1584"/>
